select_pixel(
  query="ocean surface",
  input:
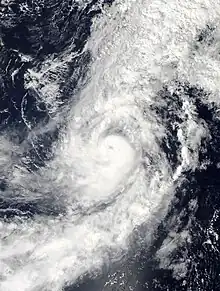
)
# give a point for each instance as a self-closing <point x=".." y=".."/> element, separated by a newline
<point x="109" y="145"/>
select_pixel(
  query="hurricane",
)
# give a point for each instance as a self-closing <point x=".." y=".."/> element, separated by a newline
<point x="127" y="137"/>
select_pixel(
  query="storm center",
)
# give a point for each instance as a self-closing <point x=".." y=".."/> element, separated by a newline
<point x="113" y="162"/>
